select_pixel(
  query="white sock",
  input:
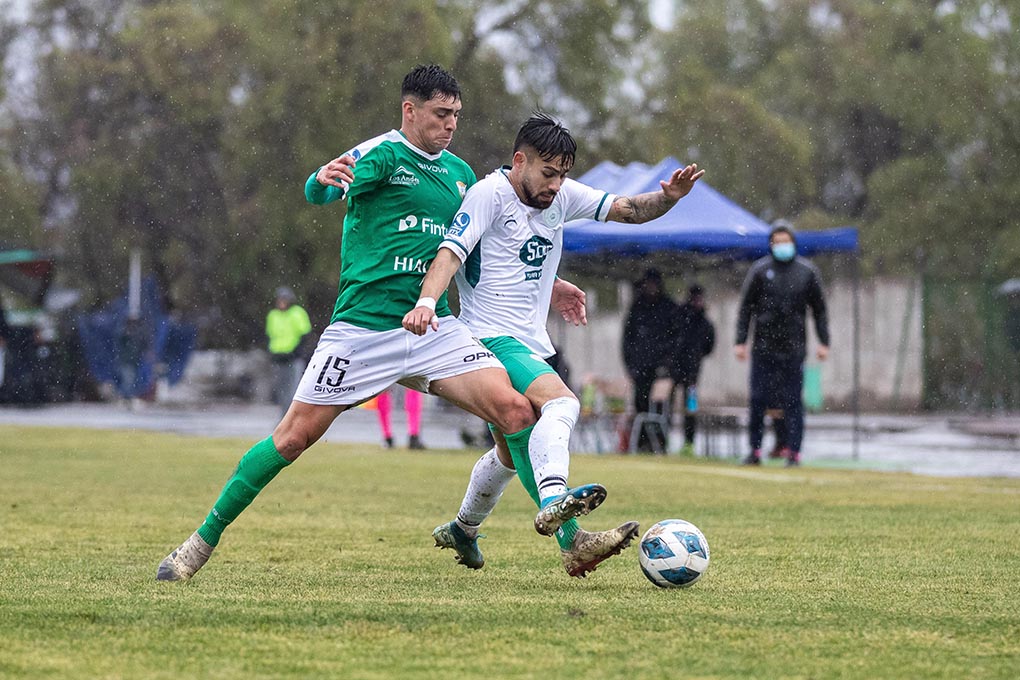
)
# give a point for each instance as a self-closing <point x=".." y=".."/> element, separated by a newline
<point x="489" y="478"/>
<point x="549" y="445"/>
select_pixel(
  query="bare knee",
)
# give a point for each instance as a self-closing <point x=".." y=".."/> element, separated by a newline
<point x="512" y="413"/>
<point x="302" y="426"/>
<point x="289" y="441"/>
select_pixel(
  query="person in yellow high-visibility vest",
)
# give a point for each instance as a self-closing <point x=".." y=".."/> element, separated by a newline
<point x="287" y="324"/>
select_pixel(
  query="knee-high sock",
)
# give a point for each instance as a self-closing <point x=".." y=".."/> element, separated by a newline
<point x="412" y="405"/>
<point x="548" y="448"/>
<point x="488" y="480"/>
<point x="518" y="445"/>
<point x="256" y="469"/>
<point x="384" y="406"/>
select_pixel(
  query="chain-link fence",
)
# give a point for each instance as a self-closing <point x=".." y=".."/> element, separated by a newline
<point x="972" y="346"/>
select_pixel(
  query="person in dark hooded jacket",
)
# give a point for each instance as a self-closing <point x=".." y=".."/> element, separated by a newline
<point x="694" y="338"/>
<point x="648" y="338"/>
<point x="778" y="290"/>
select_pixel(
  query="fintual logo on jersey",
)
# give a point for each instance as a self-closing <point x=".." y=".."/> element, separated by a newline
<point x="412" y="264"/>
<point x="460" y="223"/>
<point x="403" y="177"/>
<point x="432" y="167"/>
<point x="356" y="153"/>
<point x="535" y="250"/>
<point x="425" y="225"/>
<point x="533" y="275"/>
<point x="331" y="377"/>
<point x="462" y="188"/>
<point x="553" y="215"/>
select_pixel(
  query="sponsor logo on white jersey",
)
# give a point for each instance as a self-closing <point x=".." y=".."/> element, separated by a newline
<point x="535" y="250"/>
<point x="460" y="222"/>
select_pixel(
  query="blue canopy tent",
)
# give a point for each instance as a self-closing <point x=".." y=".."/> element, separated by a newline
<point x="706" y="223"/>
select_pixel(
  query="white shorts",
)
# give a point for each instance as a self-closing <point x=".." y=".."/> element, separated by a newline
<point x="352" y="364"/>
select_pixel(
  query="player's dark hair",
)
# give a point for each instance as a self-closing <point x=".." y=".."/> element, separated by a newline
<point x="426" y="81"/>
<point x="548" y="137"/>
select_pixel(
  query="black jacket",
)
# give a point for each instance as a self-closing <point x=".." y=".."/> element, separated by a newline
<point x="776" y="296"/>
<point x="695" y="337"/>
<point x="647" y="333"/>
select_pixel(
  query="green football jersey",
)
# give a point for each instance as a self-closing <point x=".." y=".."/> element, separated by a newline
<point x="398" y="208"/>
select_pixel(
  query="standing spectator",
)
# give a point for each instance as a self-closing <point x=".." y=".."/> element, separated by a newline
<point x="776" y="294"/>
<point x="647" y="342"/>
<point x="695" y="339"/>
<point x="412" y="407"/>
<point x="287" y="324"/>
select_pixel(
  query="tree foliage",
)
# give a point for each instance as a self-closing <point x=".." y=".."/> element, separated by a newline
<point x="187" y="129"/>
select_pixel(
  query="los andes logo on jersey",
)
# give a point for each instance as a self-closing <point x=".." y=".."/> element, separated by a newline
<point x="535" y="250"/>
<point x="404" y="177"/>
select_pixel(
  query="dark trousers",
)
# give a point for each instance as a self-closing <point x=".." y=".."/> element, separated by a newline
<point x="777" y="382"/>
<point x="690" y="417"/>
<point x="643" y="380"/>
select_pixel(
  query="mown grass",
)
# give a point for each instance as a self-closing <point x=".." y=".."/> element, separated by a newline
<point x="332" y="573"/>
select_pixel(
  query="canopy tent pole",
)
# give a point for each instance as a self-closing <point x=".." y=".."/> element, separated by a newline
<point x="855" y="397"/>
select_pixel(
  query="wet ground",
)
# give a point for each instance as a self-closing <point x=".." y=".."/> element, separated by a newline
<point x="938" y="445"/>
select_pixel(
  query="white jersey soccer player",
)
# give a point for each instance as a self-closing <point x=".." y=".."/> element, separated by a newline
<point x="510" y="254"/>
<point x="504" y="246"/>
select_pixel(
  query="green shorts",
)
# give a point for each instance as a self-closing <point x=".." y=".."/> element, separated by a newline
<point x="521" y="363"/>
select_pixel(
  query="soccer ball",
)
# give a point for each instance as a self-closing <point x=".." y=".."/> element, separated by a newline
<point x="674" y="553"/>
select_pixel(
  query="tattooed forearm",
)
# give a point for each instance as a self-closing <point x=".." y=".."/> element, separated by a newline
<point x="641" y="208"/>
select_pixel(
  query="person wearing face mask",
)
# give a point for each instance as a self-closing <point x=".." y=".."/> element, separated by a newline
<point x="777" y="292"/>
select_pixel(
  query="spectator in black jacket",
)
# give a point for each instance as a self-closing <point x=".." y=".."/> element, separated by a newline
<point x="695" y="339"/>
<point x="647" y="339"/>
<point x="777" y="292"/>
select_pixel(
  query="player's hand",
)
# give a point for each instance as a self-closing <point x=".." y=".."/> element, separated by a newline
<point x="337" y="171"/>
<point x="822" y="352"/>
<point x="419" y="319"/>
<point x="568" y="300"/>
<point x="740" y="351"/>
<point x="681" y="182"/>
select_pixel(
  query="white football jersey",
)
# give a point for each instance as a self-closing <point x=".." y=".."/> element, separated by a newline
<point x="510" y="254"/>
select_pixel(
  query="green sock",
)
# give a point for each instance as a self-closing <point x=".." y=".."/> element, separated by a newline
<point x="255" y="469"/>
<point x="518" y="445"/>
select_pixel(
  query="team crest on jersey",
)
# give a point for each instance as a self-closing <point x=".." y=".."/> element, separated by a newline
<point x="552" y="215"/>
<point x="403" y="177"/>
<point x="535" y="250"/>
<point x="462" y="188"/>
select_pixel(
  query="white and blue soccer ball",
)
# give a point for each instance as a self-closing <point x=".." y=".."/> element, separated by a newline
<point x="674" y="554"/>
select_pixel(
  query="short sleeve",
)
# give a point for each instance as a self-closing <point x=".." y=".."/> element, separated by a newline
<point x="477" y="212"/>
<point x="582" y="202"/>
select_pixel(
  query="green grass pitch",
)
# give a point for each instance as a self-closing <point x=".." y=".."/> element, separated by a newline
<point x="332" y="572"/>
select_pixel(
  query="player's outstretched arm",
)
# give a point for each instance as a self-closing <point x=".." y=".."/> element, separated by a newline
<point x="434" y="285"/>
<point x="646" y="207"/>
